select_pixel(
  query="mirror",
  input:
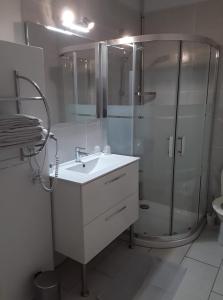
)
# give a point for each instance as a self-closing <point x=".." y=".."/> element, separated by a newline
<point x="80" y="69"/>
<point x="120" y="72"/>
<point x="70" y="70"/>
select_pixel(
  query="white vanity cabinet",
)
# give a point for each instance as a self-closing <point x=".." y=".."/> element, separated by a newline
<point x="87" y="217"/>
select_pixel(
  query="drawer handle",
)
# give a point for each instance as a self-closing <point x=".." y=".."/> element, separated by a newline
<point x="115" y="213"/>
<point x="115" y="179"/>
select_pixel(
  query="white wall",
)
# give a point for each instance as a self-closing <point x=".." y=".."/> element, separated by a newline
<point x="11" y="28"/>
<point x="203" y="18"/>
<point x="25" y="214"/>
<point x="25" y="223"/>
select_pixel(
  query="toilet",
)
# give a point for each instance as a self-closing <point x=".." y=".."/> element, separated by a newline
<point x="218" y="208"/>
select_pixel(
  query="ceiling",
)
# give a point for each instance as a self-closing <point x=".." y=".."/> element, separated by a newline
<point x="133" y="4"/>
<point x="153" y="5"/>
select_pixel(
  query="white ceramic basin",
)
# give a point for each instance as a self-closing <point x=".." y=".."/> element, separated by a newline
<point x="87" y="167"/>
<point x="92" y="166"/>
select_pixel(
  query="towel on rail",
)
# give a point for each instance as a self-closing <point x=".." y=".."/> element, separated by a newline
<point x="15" y="121"/>
<point x="19" y="130"/>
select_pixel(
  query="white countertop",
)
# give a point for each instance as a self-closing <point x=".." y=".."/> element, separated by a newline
<point x="97" y="165"/>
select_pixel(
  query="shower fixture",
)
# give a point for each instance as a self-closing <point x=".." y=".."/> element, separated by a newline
<point x="175" y="76"/>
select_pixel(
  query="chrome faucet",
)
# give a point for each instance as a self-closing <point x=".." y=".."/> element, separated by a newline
<point x="79" y="153"/>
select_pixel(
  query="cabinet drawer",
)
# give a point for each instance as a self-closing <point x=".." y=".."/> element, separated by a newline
<point x="102" y="231"/>
<point x="107" y="191"/>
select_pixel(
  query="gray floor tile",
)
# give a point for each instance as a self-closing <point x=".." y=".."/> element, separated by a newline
<point x="97" y="284"/>
<point x="215" y="296"/>
<point x="174" y="255"/>
<point x="75" y="295"/>
<point x="167" y="276"/>
<point x="218" y="287"/>
<point x="153" y="293"/>
<point x="69" y="274"/>
<point x="207" y="249"/>
<point x="197" y="282"/>
<point x="123" y="274"/>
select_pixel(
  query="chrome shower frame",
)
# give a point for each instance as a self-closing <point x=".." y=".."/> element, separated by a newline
<point x="165" y="37"/>
<point x="194" y="232"/>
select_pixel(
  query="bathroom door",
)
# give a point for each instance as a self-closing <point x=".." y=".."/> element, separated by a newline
<point x="157" y="69"/>
<point x="190" y="125"/>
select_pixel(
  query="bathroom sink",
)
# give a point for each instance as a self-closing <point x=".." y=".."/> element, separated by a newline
<point x="88" y="167"/>
<point x="92" y="167"/>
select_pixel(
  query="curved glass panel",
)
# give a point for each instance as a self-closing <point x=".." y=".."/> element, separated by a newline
<point x="193" y="86"/>
<point x="213" y="73"/>
<point x="155" y="113"/>
<point x="173" y="84"/>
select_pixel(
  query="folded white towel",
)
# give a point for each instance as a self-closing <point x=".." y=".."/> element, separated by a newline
<point x="21" y="143"/>
<point x="16" y="121"/>
<point x="18" y="117"/>
<point x="15" y="137"/>
<point x="19" y="129"/>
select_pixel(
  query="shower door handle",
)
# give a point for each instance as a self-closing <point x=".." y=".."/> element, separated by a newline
<point x="182" y="141"/>
<point x="170" y="147"/>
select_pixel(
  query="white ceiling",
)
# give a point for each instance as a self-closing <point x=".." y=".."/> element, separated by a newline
<point x="133" y="4"/>
<point x="153" y="5"/>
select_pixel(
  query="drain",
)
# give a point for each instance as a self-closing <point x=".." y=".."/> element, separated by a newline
<point x="144" y="206"/>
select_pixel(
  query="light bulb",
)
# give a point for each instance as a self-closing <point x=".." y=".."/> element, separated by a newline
<point x="67" y="16"/>
<point x="91" y="25"/>
<point x="68" y="19"/>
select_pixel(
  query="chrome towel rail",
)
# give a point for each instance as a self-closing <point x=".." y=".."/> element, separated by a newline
<point x="18" y="99"/>
<point x="5" y="99"/>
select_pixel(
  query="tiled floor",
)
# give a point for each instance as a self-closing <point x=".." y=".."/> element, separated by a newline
<point x="206" y="249"/>
<point x="215" y="296"/>
<point x="202" y="260"/>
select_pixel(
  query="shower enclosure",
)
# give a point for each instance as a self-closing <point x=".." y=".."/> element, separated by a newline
<point x="158" y="95"/>
<point x="155" y="96"/>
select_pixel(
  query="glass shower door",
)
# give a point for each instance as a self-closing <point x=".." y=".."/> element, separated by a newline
<point x="212" y="82"/>
<point x="157" y="66"/>
<point x="191" y="113"/>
